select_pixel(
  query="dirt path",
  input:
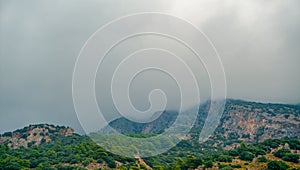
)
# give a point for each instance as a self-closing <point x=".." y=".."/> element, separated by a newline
<point x="140" y="161"/>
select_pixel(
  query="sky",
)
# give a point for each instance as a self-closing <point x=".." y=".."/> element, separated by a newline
<point x="257" y="41"/>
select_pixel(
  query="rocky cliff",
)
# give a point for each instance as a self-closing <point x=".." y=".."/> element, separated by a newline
<point x="253" y="122"/>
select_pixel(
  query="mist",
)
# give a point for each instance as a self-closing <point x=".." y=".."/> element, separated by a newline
<point x="257" y="42"/>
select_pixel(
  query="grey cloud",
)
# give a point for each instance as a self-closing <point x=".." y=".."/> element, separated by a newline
<point x="40" y="40"/>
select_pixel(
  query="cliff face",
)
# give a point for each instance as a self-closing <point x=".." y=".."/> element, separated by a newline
<point x="252" y="122"/>
<point x="33" y="135"/>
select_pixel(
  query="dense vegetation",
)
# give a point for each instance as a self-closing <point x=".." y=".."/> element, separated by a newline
<point x="64" y="149"/>
<point x="78" y="152"/>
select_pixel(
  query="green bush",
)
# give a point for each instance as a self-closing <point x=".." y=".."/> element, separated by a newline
<point x="193" y="162"/>
<point x="208" y="164"/>
<point x="87" y="161"/>
<point x="246" y="156"/>
<point x="224" y="158"/>
<point x="277" y="165"/>
<point x="291" y="157"/>
<point x="236" y="166"/>
<point x="7" y="134"/>
<point x="110" y="162"/>
<point x="294" y="144"/>
<point x="282" y="152"/>
<point x="229" y="166"/>
<point x="262" y="159"/>
<point x="233" y="153"/>
<point x="273" y="143"/>
<point x="158" y="168"/>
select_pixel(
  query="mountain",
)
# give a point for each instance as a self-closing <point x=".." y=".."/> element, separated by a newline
<point x="34" y="135"/>
<point x="125" y="126"/>
<point x="250" y="135"/>
<point x="241" y="121"/>
<point x="66" y="150"/>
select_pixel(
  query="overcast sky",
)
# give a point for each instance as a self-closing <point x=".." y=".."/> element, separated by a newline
<point x="258" y="43"/>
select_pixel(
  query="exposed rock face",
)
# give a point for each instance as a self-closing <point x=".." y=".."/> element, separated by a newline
<point x="252" y="122"/>
<point x="34" y="135"/>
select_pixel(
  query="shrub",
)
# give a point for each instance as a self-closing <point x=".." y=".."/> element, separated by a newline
<point x="208" y="164"/>
<point x="43" y="140"/>
<point x="227" y="168"/>
<point x="24" y="136"/>
<point x="7" y="134"/>
<point x="193" y="162"/>
<point x="246" y="156"/>
<point x="87" y="161"/>
<point x="262" y="159"/>
<point x="110" y="162"/>
<point x="277" y="165"/>
<point x="236" y="166"/>
<point x="294" y="144"/>
<point x="273" y="143"/>
<point x="30" y="144"/>
<point x="233" y="153"/>
<point x="282" y="152"/>
<point x="225" y="158"/>
<point x="291" y="157"/>
<point x="156" y="168"/>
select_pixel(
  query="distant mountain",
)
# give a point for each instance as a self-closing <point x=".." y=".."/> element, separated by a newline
<point x="125" y="126"/>
<point x="241" y="121"/>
